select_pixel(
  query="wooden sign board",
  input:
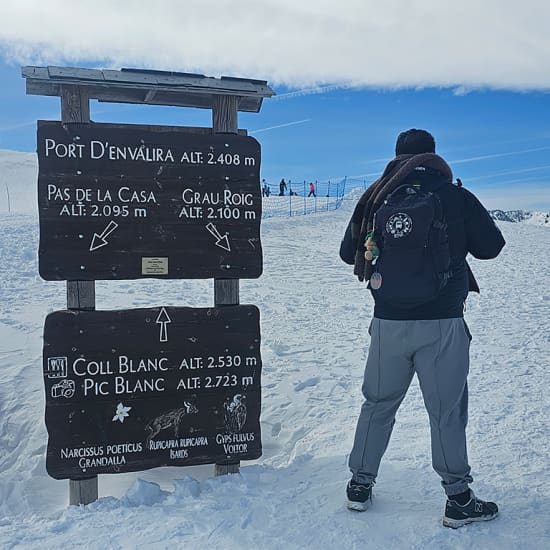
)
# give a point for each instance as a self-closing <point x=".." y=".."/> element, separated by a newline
<point x="136" y="389"/>
<point x="125" y="202"/>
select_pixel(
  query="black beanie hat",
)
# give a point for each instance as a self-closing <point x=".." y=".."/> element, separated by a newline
<point x="414" y="142"/>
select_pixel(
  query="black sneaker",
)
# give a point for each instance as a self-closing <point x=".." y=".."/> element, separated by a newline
<point x="359" y="495"/>
<point x="474" y="510"/>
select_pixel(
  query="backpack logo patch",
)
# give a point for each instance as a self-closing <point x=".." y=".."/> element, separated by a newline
<point x="399" y="225"/>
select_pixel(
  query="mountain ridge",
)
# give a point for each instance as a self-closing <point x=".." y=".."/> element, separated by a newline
<point x="517" y="216"/>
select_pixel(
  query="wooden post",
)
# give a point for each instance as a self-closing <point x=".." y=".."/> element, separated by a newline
<point x="8" y="194"/>
<point x="82" y="491"/>
<point x="226" y="291"/>
<point x="224" y="114"/>
<point x="75" y="107"/>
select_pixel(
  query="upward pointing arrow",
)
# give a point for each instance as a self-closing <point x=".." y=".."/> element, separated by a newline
<point x="101" y="240"/>
<point x="163" y="319"/>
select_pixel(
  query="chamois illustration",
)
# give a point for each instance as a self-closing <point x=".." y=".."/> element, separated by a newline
<point x="170" y="419"/>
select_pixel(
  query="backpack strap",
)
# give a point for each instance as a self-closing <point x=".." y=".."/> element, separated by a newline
<point x="439" y="217"/>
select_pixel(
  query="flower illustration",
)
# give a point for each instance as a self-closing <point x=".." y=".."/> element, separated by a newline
<point x="121" y="413"/>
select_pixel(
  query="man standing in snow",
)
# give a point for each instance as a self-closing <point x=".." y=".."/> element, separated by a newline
<point x="431" y="339"/>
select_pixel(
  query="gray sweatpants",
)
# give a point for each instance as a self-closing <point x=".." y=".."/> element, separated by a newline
<point x="438" y="351"/>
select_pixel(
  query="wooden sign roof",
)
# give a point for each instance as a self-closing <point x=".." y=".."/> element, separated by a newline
<point x="149" y="87"/>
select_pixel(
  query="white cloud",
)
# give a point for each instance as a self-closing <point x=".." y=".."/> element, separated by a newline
<point x="466" y="44"/>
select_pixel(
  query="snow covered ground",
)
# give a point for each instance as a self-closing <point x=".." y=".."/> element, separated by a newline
<point x="314" y="319"/>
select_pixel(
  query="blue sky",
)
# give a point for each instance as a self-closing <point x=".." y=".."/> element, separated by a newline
<point x="338" y="110"/>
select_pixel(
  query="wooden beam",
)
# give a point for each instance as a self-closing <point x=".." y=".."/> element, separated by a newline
<point x="150" y="95"/>
<point x="75" y="107"/>
<point x="229" y="468"/>
<point x="147" y="87"/>
<point x="226" y="291"/>
<point x="81" y="295"/>
<point x="82" y="491"/>
<point x="224" y="114"/>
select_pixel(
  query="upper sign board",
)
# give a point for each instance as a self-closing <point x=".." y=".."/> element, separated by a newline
<point x="125" y="202"/>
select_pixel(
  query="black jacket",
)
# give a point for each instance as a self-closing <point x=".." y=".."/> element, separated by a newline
<point x="470" y="230"/>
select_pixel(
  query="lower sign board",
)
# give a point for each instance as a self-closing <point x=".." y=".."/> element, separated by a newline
<point x="136" y="389"/>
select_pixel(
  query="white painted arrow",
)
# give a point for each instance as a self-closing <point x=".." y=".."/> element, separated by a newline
<point x="222" y="242"/>
<point x="101" y="240"/>
<point x="163" y="319"/>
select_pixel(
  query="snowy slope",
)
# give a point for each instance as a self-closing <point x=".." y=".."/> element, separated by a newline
<point x="535" y="218"/>
<point x="18" y="174"/>
<point x="314" y="318"/>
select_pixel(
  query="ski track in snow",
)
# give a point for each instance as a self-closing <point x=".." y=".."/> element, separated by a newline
<point x="314" y="319"/>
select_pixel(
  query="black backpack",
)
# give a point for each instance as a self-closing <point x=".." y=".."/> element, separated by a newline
<point x="414" y="261"/>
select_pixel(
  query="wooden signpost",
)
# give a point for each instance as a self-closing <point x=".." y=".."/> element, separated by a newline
<point x="127" y="202"/>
